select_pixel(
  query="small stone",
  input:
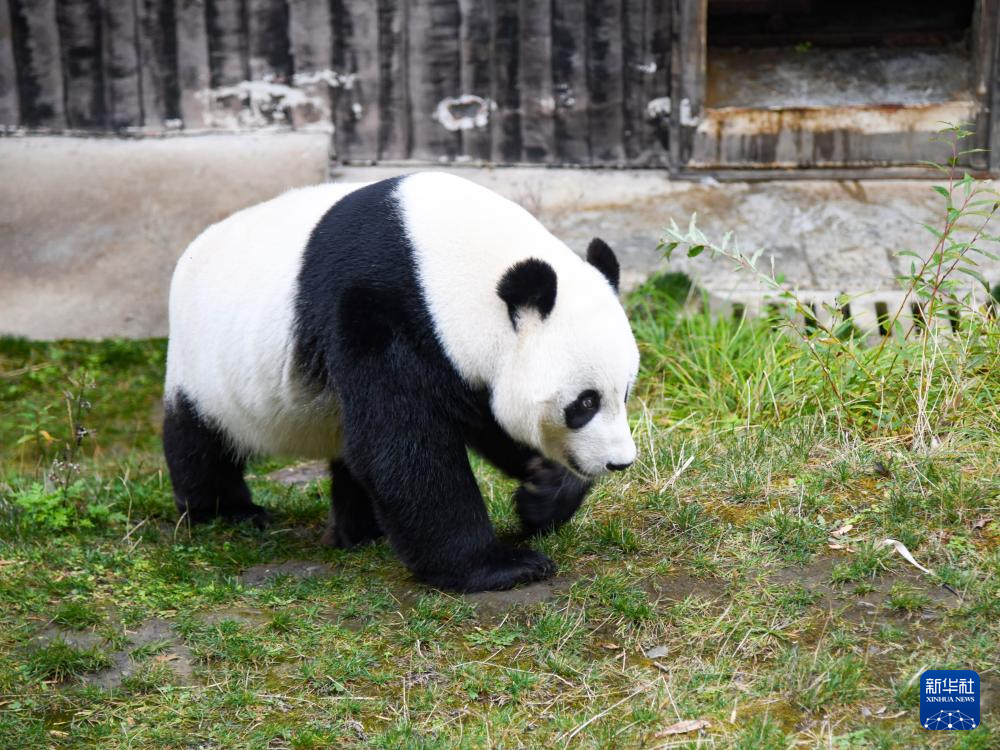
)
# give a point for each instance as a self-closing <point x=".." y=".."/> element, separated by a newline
<point x="300" y="473"/>
<point x="501" y="601"/>
<point x="258" y="575"/>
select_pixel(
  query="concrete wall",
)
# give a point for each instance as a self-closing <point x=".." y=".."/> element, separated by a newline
<point x="90" y="229"/>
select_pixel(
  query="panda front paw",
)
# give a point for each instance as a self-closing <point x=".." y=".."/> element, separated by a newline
<point x="498" y="568"/>
<point x="549" y="497"/>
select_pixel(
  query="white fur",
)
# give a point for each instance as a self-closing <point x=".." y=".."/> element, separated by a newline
<point x="231" y="317"/>
<point x="232" y="312"/>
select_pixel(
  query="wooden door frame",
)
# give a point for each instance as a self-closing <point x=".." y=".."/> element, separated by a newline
<point x="688" y="50"/>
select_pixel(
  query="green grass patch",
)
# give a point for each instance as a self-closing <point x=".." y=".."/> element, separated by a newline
<point x="698" y="585"/>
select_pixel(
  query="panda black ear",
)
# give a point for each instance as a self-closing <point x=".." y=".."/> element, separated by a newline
<point x="602" y="257"/>
<point x="528" y="283"/>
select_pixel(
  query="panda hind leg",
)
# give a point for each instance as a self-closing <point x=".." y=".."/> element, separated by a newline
<point x="206" y="474"/>
<point x="352" y="519"/>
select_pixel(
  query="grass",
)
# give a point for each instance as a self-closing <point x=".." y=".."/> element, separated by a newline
<point x="701" y="584"/>
<point x="58" y="660"/>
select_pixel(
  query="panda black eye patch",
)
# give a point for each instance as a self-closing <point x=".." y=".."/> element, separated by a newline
<point x="583" y="409"/>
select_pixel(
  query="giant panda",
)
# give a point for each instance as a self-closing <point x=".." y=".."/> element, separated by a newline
<point x="388" y="327"/>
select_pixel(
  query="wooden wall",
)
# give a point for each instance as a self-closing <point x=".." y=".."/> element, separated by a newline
<point x="506" y="81"/>
<point x="572" y="82"/>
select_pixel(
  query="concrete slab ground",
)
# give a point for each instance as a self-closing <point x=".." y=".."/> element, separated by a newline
<point x="90" y="228"/>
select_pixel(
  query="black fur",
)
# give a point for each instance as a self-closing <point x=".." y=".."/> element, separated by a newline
<point x="583" y="409"/>
<point x="364" y="330"/>
<point x="352" y="514"/>
<point x="602" y="257"/>
<point x="206" y="473"/>
<point x="549" y="497"/>
<point x="529" y="283"/>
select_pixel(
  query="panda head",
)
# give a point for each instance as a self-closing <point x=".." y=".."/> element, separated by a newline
<point x="563" y="386"/>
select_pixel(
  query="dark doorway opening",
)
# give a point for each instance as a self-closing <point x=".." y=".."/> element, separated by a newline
<point x="832" y="53"/>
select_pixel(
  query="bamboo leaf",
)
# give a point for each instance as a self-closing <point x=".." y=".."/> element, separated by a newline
<point x="976" y="275"/>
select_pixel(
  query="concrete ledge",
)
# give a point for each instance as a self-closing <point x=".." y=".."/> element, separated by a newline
<point x="90" y="229"/>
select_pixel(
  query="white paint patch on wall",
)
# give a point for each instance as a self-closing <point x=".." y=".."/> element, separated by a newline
<point x="564" y="96"/>
<point x="330" y="77"/>
<point x="688" y="118"/>
<point x="659" y="108"/>
<point x="464" y="112"/>
<point x="269" y="103"/>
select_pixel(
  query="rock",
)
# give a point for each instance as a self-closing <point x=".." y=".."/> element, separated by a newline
<point x="300" y="473"/>
<point x="500" y="601"/>
<point x="259" y="575"/>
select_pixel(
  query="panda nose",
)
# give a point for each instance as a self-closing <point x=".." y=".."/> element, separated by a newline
<point x="618" y="467"/>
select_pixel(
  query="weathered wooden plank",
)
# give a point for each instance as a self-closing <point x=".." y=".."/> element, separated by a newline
<point x="267" y="30"/>
<point x="158" y="64"/>
<point x="393" y="95"/>
<point x="477" y="72"/>
<point x="535" y="80"/>
<point x="982" y="59"/>
<point x="80" y="42"/>
<point x="646" y="79"/>
<point x="569" y="79"/>
<point x="193" y="72"/>
<point x="37" y="58"/>
<point x="356" y="115"/>
<point x="506" y="122"/>
<point x="986" y="83"/>
<point x="765" y="174"/>
<point x="228" y="56"/>
<point x="310" y="39"/>
<point x="828" y="137"/>
<point x="687" y="77"/>
<point x="994" y="142"/>
<point x="122" y="75"/>
<point x="10" y="112"/>
<point x="310" y="35"/>
<point x="604" y="66"/>
<point x="434" y="78"/>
